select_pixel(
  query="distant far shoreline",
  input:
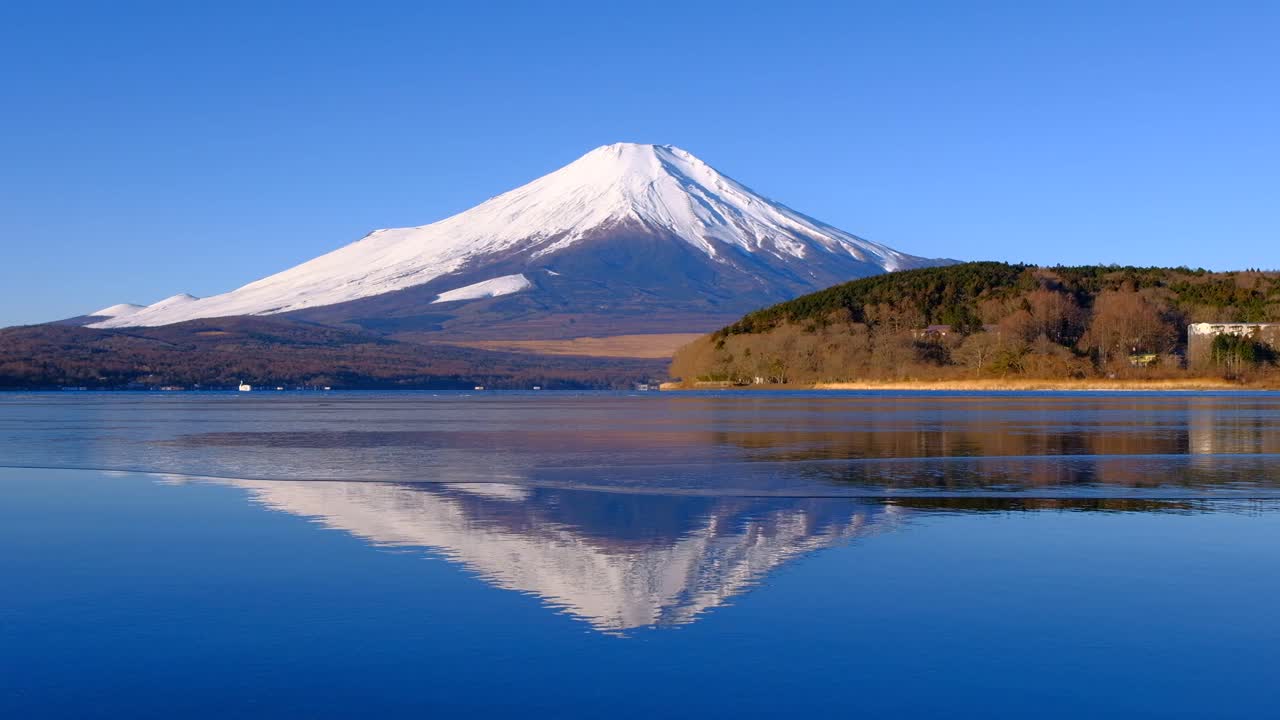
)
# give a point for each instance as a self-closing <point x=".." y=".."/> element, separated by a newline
<point x="1004" y="385"/>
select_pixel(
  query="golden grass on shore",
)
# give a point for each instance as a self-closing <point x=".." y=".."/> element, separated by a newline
<point x="1015" y="384"/>
<point x="1018" y="385"/>
<point x="654" y="346"/>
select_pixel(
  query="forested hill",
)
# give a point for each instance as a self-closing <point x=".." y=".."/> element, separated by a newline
<point x="957" y="295"/>
<point x="987" y="318"/>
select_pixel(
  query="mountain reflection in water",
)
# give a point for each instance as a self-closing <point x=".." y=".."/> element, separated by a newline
<point x="617" y="561"/>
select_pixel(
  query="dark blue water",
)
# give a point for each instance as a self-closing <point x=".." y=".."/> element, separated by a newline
<point x="612" y="559"/>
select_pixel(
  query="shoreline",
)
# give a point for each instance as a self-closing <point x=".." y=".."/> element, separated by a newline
<point x="1009" y="385"/>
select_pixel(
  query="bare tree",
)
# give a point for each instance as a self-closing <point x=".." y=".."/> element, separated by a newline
<point x="977" y="351"/>
<point x="1125" y="323"/>
<point x="1055" y="315"/>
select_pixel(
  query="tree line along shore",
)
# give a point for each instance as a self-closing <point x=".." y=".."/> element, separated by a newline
<point x="992" y="326"/>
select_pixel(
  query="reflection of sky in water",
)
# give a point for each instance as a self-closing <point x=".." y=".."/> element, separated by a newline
<point x="1099" y="445"/>
<point x="128" y="598"/>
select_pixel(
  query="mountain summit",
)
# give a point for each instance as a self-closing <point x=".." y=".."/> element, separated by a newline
<point x="627" y="238"/>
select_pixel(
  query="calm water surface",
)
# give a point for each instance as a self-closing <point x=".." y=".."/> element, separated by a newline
<point x="406" y="555"/>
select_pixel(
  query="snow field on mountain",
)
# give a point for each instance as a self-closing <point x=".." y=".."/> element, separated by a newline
<point x="496" y="287"/>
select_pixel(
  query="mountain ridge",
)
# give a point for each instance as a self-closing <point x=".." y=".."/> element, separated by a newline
<point x="735" y="244"/>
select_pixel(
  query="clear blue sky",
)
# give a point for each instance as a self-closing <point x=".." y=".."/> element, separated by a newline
<point x="153" y="148"/>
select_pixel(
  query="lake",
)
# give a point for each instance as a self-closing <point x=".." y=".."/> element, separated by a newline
<point x="639" y="555"/>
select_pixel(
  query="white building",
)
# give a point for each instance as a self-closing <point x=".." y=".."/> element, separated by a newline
<point x="1200" y="336"/>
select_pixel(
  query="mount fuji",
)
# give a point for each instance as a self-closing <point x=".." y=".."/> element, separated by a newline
<point x="628" y="238"/>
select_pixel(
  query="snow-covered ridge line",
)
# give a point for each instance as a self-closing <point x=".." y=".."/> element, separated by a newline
<point x="505" y="285"/>
<point x="118" y="310"/>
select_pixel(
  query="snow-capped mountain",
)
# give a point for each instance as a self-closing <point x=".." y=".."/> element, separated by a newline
<point x="643" y="230"/>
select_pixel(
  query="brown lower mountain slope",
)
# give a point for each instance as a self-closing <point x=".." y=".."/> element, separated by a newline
<point x="996" y="321"/>
<point x="655" y="346"/>
<point x="273" y="351"/>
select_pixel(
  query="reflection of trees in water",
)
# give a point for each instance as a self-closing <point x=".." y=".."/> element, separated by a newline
<point x="744" y="442"/>
<point x="1215" y="429"/>
<point x="997" y="474"/>
<point x="1117" y="505"/>
<point x="1140" y="442"/>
